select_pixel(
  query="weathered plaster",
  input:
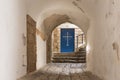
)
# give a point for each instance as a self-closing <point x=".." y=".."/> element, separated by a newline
<point x="53" y="21"/>
<point x="116" y="48"/>
<point x="103" y="37"/>
<point x="40" y="34"/>
<point x="75" y="3"/>
<point x="104" y="29"/>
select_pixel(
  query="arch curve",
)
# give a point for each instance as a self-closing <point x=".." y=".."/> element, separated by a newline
<point x="52" y="18"/>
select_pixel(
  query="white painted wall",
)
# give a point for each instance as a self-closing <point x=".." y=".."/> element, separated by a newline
<point x="41" y="52"/>
<point x="12" y="27"/>
<point x="104" y="31"/>
<point x="103" y="58"/>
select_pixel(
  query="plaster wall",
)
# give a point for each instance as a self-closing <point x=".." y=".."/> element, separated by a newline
<point x="42" y="9"/>
<point x="13" y="39"/>
<point x="41" y="52"/>
<point x="103" y="58"/>
<point x="103" y="40"/>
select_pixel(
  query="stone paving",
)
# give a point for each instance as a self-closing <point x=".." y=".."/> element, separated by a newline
<point x="61" y="71"/>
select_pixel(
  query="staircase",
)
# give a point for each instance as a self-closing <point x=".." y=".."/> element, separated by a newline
<point x="76" y="57"/>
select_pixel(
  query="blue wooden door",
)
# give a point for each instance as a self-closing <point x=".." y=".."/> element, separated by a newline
<point x="67" y="40"/>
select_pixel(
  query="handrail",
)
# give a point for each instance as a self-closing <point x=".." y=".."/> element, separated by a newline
<point x="82" y="37"/>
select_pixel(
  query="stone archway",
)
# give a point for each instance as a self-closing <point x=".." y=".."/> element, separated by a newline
<point x="49" y="45"/>
<point x="48" y="49"/>
<point x="78" y="38"/>
<point x="47" y="24"/>
<point x="50" y="23"/>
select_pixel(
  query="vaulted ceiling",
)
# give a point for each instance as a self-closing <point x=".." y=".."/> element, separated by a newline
<point x="50" y="13"/>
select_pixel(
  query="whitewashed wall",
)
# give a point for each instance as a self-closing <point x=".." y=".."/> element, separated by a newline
<point x="103" y="34"/>
<point x="41" y="52"/>
<point x="12" y="47"/>
<point x="104" y="40"/>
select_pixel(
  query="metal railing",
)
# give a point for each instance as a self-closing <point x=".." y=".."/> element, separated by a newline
<point x="81" y="37"/>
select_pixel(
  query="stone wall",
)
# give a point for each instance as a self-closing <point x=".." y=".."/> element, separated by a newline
<point x="56" y="40"/>
<point x="31" y="45"/>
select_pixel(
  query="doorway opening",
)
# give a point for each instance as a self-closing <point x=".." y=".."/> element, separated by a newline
<point x="67" y="42"/>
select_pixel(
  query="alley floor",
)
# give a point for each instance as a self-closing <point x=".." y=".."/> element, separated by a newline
<point x="61" y="71"/>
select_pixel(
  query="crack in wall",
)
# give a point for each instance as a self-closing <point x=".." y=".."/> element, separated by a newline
<point x="75" y="4"/>
<point x="116" y="48"/>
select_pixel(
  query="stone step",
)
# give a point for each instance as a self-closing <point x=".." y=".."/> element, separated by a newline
<point x="64" y="55"/>
<point x="76" y="57"/>
<point x="73" y="55"/>
<point x="82" y="49"/>
<point x="69" y="61"/>
<point x="80" y="52"/>
<point x="72" y="58"/>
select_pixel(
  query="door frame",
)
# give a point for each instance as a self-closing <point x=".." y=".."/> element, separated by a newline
<point x="31" y="63"/>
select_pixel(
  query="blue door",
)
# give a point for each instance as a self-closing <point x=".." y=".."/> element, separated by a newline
<point x="67" y="40"/>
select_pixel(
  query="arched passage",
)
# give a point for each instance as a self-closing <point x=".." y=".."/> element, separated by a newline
<point x="53" y="18"/>
<point x="49" y="22"/>
<point x="67" y="40"/>
<point x="50" y="19"/>
<point x="79" y="40"/>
